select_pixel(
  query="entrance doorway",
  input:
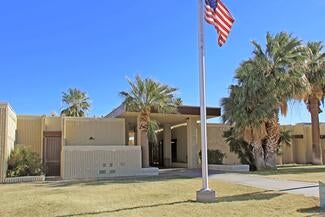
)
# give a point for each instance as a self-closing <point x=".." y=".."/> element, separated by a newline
<point x="52" y="153"/>
<point x="156" y="156"/>
<point x="174" y="150"/>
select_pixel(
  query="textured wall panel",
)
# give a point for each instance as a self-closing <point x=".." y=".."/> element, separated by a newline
<point x="80" y="162"/>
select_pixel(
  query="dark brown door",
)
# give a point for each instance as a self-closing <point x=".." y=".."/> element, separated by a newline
<point x="52" y="153"/>
<point x="174" y="150"/>
<point x="156" y="156"/>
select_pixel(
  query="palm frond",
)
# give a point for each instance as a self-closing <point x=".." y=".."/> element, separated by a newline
<point x="147" y="95"/>
<point x="153" y="126"/>
<point x="77" y="103"/>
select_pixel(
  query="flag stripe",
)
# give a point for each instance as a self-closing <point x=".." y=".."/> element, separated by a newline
<point x="225" y="11"/>
<point x="223" y="18"/>
<point x="223" y="21"/>
<point x="215" y="18"/>
<point x="217" y="14"/>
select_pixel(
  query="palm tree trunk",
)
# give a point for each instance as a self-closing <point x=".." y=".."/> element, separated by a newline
<point x="143" y="120"/>
<point x="316" y="147"/>
<point x="272" y="142"/>
<point x="145" y="149"/>
<point x="259" y="156"/>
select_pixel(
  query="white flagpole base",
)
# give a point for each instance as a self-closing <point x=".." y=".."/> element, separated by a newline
<point x="206" y="196"/>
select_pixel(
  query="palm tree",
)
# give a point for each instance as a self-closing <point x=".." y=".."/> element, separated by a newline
<point x="145" y="96"/>
<point x="280" y="61"/>
<point x="265" y="84"/>
<point x="77" y="103"/>
<point x="248" y="108"/>
<point x="314" y="67"/>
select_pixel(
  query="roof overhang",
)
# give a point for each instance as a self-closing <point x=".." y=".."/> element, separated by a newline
<point x="182" y="114"/>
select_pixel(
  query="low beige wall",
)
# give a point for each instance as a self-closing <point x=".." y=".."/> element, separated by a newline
<point x="94" y="131"/>
<point x="8" y="123"/>
<point x="216" y="141"/>
<point x="80" y="162"/>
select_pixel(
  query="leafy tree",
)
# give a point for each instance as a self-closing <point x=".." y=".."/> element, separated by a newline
<point x="146" y="96"/>
<point x="77" y="103"/>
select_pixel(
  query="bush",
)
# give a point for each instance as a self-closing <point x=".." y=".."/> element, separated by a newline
<point x="214" y="156"/>
<point x="24" y="162"/>
<point x="243" y="150"/>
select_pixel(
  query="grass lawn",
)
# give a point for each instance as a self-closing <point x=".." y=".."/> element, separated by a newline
<point x="308" y="173"/>
<point x="147" y="198"/>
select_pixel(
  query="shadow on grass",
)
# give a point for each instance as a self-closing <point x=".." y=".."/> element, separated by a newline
<point x="263" y="195"/>
<point x="98" y="182"/>
<point x="128" y="208"/>
<point x="311" y="211"/>
<point x="298" y="188"/>
<point x="165" y="175"/>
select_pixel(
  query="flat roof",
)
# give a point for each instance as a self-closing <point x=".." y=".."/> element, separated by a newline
<point x="182" y="110"/>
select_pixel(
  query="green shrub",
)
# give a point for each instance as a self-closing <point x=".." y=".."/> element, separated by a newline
<point x="243" y="150"/>
<point x="285" y="139"/>
<point x="24" y="162"/>
<point x="214" y="156"/>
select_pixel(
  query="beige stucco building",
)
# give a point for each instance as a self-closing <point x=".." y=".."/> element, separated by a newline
<point x="78" y="148"/>
<point x="179" y="137"/>
<point x="109" y="146"/>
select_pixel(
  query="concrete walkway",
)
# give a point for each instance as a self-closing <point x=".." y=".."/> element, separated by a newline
<point x="307" y="189"/>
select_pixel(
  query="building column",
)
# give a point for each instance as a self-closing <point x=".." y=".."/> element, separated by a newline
<point x="192" y="146"/>
<point x="144" y="143"/>
<point x="167" y="136"/>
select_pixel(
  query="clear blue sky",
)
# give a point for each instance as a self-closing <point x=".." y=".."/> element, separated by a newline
<point x="49" y="46"/>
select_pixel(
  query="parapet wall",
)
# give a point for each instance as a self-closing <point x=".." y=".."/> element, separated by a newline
<point x="94" y="131"/>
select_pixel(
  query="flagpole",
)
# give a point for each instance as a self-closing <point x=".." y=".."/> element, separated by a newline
<point x="205" y="183"/>
<point x="205" y="194"/>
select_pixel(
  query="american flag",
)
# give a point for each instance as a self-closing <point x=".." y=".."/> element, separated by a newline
<point x="220" y="17"/>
